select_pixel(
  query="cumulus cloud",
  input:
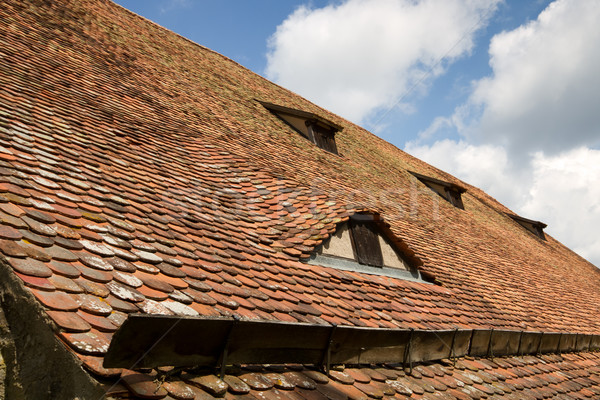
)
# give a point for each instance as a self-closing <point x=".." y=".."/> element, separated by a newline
<point x="484" y="166"/>
<point x="530" y="131"/>
<point x="564" y="193"/>
<point x="544" y="92"/>
<point x="361" y="55"/>
<point x="560" y="190"/>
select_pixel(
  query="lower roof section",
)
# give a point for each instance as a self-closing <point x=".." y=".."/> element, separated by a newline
<point x="551" y="376"/>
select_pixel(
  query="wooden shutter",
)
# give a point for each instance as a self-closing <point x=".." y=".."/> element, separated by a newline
<point x="539" y="231"/>
<point x="455" y="198"/>
<point x="324" y="138"/>
<point x="365" y="243"/>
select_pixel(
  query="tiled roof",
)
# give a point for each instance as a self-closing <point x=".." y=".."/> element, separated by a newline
<point x="568" y="376"/>
<point x="139" y="173"/>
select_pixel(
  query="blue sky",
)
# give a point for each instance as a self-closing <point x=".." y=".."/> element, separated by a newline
<point x="503" y="94"/>
<point x="240" y="29"/>
<point x="237" y="29"/>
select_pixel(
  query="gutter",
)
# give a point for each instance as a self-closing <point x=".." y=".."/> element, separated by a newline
<point x="145" y="341"/>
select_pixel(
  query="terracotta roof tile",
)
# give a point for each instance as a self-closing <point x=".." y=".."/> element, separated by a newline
<point x="143" y="385"/>
<point x="191" y="199"/>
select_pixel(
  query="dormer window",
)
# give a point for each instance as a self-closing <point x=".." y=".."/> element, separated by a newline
<point x="365" y="240"/>
<point x="448" y="191"/>
<point x="535" y="227"/>
<point x="364" y="244"/>
<point x="314" y="128"/>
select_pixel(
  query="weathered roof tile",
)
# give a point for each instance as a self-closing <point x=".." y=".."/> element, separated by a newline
<point x="143" y="385"/>
<point x="134" y="203"/>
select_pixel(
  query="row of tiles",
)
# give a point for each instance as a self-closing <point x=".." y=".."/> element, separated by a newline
<point x="89" y="245"/>
<point x="567" y="376"/>
<point x="148" y="190"/>
<point x="92" y="258"/>
<point x="89" y="216"/>
<point x="88" y="230"/>
<point x="235" y="247"/>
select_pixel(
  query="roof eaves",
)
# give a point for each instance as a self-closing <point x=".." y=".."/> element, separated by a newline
<point x="527" y="221"/>
<point x="453" y="186"/>
<point x="299" y="113"/>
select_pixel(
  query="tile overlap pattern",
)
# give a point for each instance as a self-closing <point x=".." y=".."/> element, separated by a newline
<point x="567" y="376"/>
<point x="139" y="174"/>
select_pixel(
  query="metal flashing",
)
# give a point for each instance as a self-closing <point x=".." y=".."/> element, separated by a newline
<point x="448" y="191"/>
<point x="347" y="264"/>
<point x="151" y="341"/>
<point x="518" y="218"/>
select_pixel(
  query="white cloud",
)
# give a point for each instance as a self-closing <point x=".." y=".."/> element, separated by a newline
<point x="485" y="166"/>
<point x="561" y="190"/>
<point x="535" y="123"/>
<point x="564" y="194"/>
<point x="544" y="93"/>
<point x="361" y="55"/>
<point x="174" y="5"/>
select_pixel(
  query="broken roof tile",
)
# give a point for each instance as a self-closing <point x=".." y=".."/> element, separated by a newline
<point x="143" y="385"/>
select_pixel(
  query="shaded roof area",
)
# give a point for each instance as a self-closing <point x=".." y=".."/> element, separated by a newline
<point x="139" y="173"/>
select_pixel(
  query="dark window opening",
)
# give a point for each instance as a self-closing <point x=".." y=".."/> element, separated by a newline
<point x="455" y="198"/>
<point x="448" y="191"/>
<point x="365" y="242"/>
<point x="311" y="126"/>
<point x="323" y="137"/>
<point x="535" y="227"/>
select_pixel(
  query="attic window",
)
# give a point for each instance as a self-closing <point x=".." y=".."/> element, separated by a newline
<point x="314" y="128"/>
<point x="362" y="244"/>
<point x="448" y="191"/>
<point x="535" y="227"/>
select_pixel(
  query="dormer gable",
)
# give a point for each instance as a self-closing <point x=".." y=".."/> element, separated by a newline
<point x="535" y="227"/>
<point x="311" y="126"/>
<point x="365" y="243"/>
<point x="450" y="192"/>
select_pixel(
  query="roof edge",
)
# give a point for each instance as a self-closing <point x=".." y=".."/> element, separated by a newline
<point x="440" y="182"/>
<point x="299" y="113"/>
<point x="528" y="221"/>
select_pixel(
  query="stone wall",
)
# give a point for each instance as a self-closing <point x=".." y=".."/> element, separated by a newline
<point x="2" y="376"/>
<point x="34" y="364"/>
<point x="9" y="381"/>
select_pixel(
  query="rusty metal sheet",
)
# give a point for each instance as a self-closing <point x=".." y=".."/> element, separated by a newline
<point x="435" y="345"/>
<point x="505" y="342"/>
<point x="480" y="341"/>
<point x="148" y="341"/>
<point x="530" y="342"/>
<point x="583" y="342"/>
<point x="550" y="343"/>
<point x="495" y="342"/>
<point x="595" y="342"/>
<point x="365" y="345"/>
<point x="567" y="342"/>
<point x="265" y="342"/>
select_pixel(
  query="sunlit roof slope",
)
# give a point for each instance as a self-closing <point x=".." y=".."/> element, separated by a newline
<point x="141" y="173"/>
